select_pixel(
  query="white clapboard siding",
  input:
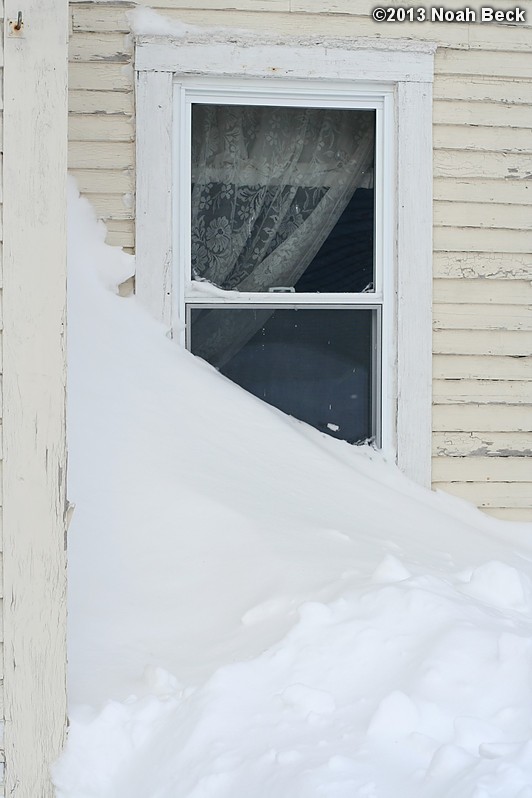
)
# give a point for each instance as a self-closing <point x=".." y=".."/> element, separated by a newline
<point x="477" y="214"/>
<point x="481" y="469"/>
<point x="483" y="367"/>
<point x="121" y="233"/>
<point x="470" y="163"/>
<point x="123" y="240"/>
<point x="490" y="265"/>
<point x="479" y="317"/>
<point x="487" y="192"/>
<point x="109" y="46"/>
<point x="101" y="155"/>
<point x="498" y="37"/>
<point x="100" y="76"/>
<point x="105" y="181"/>
<point x="88" y="18"/>
<point x="240" y="5"/>
<point x="82" y="101"/>
<point x="459" y="62"/>
<point x="462" y="112"/>
<point x="364" y="6"/>
<point x="100" y="127"/>
<point x="458" y="87"/>
<point x="482" y="444"/>
<point x="482" y="187"/>
<point x="488" y="418"/>
<point x="482" y="138"/>
<point x="482" y="342"/>
<point x="503" y="392"/>
<point x="490" y="494"/>
<point x="516" y="38"/>
<point x="99" y="18"/>
<point x="113" y="206"/>
<point x="490" y="292"/>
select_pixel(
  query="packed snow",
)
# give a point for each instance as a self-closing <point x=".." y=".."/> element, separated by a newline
<point x="257" y="610"/>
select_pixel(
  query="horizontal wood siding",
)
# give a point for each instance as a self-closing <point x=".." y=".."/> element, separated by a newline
<point x="482" y="419"/>
<point x="482" y="240"/>
<point x="101" y="117"/>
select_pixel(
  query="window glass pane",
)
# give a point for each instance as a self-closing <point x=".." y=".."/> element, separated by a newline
<point x="282" y="198"/>
<point x="317" y="365"/>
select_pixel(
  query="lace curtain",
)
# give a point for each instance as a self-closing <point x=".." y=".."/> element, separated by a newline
<point x="268" y="186"/>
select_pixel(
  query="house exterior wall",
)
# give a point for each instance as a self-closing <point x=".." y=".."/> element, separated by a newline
<point x="482" y="120"/>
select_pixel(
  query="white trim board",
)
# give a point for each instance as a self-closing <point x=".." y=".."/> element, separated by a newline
<point x="183" y="57"/>
<point x="403" y="76"/>
<point x="34" y="376"/>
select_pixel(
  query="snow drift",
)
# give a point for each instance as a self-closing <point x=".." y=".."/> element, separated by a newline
<point x="257" y="610"/>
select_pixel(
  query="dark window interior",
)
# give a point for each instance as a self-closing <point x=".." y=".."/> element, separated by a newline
<point x="315" y="364"/>
<point x="345" y="261"/>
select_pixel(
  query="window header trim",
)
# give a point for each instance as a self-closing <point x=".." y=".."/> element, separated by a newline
<point x="247" y="55"/>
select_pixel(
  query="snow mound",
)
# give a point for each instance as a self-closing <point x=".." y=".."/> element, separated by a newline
<point x="500" y="585"/>
<point x="259" y="610"/>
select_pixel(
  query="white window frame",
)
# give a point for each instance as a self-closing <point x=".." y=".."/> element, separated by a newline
<point x="396" y="77"/>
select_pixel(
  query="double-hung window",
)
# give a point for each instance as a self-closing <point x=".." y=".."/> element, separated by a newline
<point x="271" y="220"/>
<point x="283" y="274"/>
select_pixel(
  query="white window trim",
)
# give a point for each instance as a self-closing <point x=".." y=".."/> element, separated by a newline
<point x="399" y="70"/>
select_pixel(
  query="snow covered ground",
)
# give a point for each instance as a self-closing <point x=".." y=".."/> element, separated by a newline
<point x="259" y="611"/>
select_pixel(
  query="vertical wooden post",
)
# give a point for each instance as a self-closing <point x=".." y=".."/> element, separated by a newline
<point x="34" y="297"/>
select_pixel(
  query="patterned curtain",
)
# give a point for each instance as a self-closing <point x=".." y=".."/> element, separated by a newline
<point x="268" y="186"/>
